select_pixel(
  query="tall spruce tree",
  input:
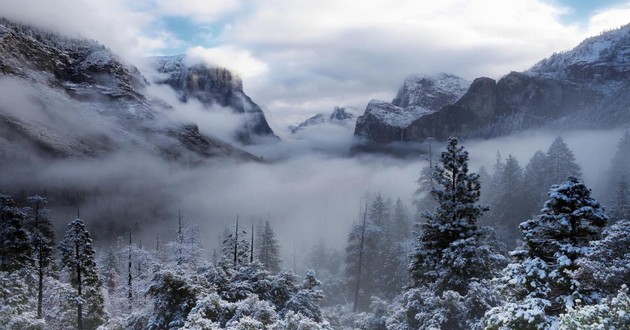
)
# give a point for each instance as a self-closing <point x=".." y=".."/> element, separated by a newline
<point x="78" y="257"/>
<point x="620" y="207"/>
<point x="560" y="163"/>
<point x="541" y="283"/>
<point x="508" y="210"/>
<point x="269" y="250"/>
<point x="535" y="182"/>
<point x="450" y="251"/>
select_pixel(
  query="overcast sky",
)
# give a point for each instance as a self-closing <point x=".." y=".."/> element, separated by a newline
<point x="300" y="57"/>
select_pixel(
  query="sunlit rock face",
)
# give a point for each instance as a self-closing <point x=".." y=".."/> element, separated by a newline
<point x="587" y="87"/>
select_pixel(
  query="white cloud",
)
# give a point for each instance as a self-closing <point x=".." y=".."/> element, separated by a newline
<point x="609" y="19"/>
<point x="233" y="58"/>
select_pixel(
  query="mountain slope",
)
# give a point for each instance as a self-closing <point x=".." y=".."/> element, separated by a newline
<point x="64" y="97"/>
<point x="587" y="87"/>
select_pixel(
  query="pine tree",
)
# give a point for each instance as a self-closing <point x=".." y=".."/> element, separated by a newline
<point x="507" y="209"/>
<point x="78" y="257"/>
<point x="449" y="251"/>
<point x="620" y="209"/>
<point x="16" y="253"/>
<point x="423" y="200"/>
<point x="269" y="251"/>
<point x="42" y="242"/>
<point x="560" y="163"/>
<point x="541" y="283"/>
<point x="400" y="222"/>
<point x="535" y="182"/>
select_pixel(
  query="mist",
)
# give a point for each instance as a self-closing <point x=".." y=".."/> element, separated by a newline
<point x="306" y="195"/>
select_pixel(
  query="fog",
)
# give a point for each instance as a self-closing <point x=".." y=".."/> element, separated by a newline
<point x="310" y="188"/>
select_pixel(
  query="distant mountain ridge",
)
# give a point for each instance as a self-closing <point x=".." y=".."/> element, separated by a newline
<point x="585" y="88"/>
<point x="340" y="116"/>
<point x="75" y="98"/>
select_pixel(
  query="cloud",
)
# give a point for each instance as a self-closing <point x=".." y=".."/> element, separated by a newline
<point x="233" y="58"/>
<point x="326" y="53"/>
<point x="609" y="18"/>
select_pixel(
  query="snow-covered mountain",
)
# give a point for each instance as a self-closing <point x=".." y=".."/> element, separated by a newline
<point x="65" y="97"/>
<point x="587" y="87"/>
<point x="340" y="116"/>
<point x="214" y="86"/>
<point x="420" y="95"/>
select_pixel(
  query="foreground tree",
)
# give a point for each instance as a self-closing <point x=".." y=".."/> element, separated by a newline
<point x="541" y="283"/>
<point x="450" y="251"/>
<point x="78" y="257"/>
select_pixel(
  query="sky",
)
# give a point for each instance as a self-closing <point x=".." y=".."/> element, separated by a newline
<point x="301" y="57"/>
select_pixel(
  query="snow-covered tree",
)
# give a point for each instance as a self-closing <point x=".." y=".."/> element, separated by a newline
<point x="449" y="250"/>
<point x="606" y="267"/>
<point x="78" y="258"/>
<point x="15" y="307"/>
<point x="541" y="283"/>
<point x="174" y="293"/>
<point x="16" y="252"/>
<point x="610" y="313"/>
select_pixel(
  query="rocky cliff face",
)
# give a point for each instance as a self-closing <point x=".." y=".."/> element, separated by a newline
<point x="215" y="86"/>
<point x="62" y="97"/>
<point x="420" y="95"/>
<point x="587" y="87"/>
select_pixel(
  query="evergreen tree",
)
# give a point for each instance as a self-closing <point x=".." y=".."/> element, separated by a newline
<point x="400" y="222"/>
<point x="269" y="251"/>
<point x="42" y="242"/>
<point x="560" y="163"/>
<point x="621" y="204"/>
<point x="507" y="209"/>
<point x="78" y="257"/>
<point x="541" y="283"/>
<point x="619" y="167"/>
<point x="423" y="200"/>
<point x="449" y="251"/>
<point x="16" y="253"/>
<point x="535" y="182"/>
